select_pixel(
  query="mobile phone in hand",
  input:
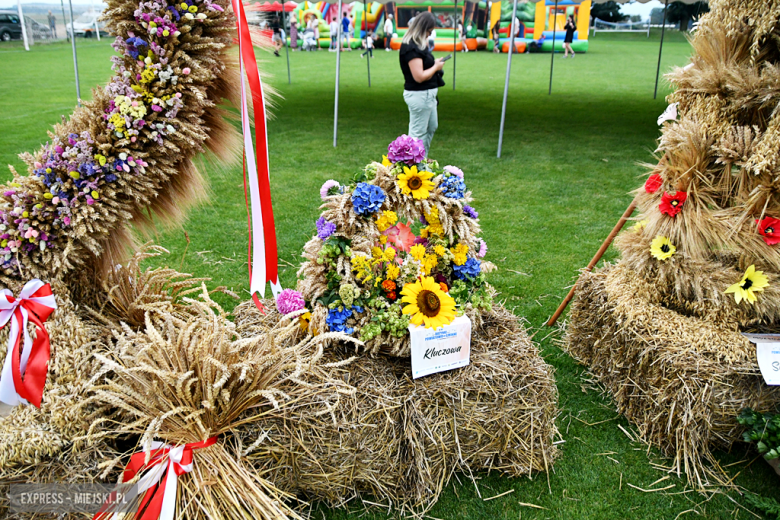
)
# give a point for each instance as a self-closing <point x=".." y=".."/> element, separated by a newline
<point x="448" y="56"/>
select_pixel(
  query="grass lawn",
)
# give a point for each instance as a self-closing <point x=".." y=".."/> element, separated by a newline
<point x="569" y="160"/>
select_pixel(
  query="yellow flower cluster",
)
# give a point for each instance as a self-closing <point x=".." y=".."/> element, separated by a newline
<point x="418" y="252"/>
<point x="134" y="108"/>
<point x="119" y="123"/>
<point x="387" y="220"/>
<point x="429" y="263"/>
<point x="388" y="255"/>
<point x="148" y="75"/>
<point x="361" y="266"/>
<point x="393" y="271"/>
<point x="459" y="252"/>
<point x="434" y="226"/>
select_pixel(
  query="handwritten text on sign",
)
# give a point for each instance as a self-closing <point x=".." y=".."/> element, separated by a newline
<point x="768" y="354"/>
<point x="441" y="349"/>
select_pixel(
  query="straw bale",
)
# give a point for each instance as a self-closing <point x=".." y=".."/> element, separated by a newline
<point x="680" y="378"/>
<point x="398" y="440"/>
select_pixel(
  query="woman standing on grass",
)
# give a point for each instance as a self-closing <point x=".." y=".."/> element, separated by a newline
<point x="422" y="79"/>
<point x="570" y="28"/>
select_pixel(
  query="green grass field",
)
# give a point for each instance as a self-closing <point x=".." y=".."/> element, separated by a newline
<point x="568" y="162"/>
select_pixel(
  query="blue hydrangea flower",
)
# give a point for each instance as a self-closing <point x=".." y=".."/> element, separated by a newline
<point x="367" y="199"/>
<point x="453" y="187"/>
<point x="337" y="319"/>
<point x="325" y="228"/>
<point x="469" y="270"/>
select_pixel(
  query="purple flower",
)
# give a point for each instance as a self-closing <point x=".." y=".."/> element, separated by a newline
<point x="454" y="170"/>
<point x="406" y="149"/>
<point x="289" y="301"/>
<point x="325" y="228"/>
<point x="327" y="187"/>
<point x="471" y="212"/>
<point x="482" y="249"/>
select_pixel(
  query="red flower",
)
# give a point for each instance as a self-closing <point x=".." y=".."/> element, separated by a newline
<point x="391" y="295"/>
<point x="769" y="228"/>
<point x="653" y="183"/>
<point x="672" y="204"/>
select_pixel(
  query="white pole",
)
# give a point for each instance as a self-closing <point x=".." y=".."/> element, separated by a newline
<point x="338" y="69"/>
<point x="97" y="29"/>
<point x="506" y="82"/>
<point x="24" y="29"/>
<point x="73" y="45"/>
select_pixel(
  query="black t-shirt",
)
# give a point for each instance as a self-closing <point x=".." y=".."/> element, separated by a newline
<point x="410" y="51"/>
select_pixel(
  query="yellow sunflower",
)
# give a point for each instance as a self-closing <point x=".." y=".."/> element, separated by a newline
<point x="414" y="182"/>
<point x="427" y="303"/>
<point x="753" y="281"/>
<point x="662" y="248"/>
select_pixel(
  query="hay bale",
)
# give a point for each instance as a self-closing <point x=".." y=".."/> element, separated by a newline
<point x="681" y="379"/>
<point x="400" y="440"/>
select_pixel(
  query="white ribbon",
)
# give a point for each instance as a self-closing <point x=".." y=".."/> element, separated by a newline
<point x="670" y="114"/>
<point x="8" y="394"/>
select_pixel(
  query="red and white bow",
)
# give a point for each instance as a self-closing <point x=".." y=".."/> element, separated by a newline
<point x="25" y="369"/>
<point x="263" y="260"/>
<point x="166" y="464"/>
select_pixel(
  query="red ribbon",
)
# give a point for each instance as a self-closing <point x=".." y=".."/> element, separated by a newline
<point x="37" y="300"/>
<point x="261" y="153"/>
<point x="152" y="502"/>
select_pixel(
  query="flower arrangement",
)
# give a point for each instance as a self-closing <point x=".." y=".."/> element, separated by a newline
<point x="397" y="245"/>
<point x="130" y="149"/>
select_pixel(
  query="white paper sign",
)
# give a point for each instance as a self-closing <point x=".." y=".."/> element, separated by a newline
<point x="438" y="350"/>
<point x="768" y="354"/>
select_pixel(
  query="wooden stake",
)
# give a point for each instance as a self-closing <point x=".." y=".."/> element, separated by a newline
<point x="603" y="249"/>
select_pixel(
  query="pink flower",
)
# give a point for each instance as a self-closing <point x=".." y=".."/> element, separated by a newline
<point x="185" y="70"/>
<point x="482" y="249"/>
<point x="406" y="149"/>
<point x="326" y="187"/>
<point x="454" y="170"/>
<point x="289" y="301"/>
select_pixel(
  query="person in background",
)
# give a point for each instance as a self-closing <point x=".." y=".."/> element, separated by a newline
<point x="570" y="27"/>
<point x="345" y="31"/>
<point x="316" y="29"/>
<point x="462" y="32"/>
<point x="276" y="39"/>
<point x="369" y="46"/>
<point x="496" y="38"/>
<point x="333" y="27"/>
<point x="294" y="33"/>
<point x="422" y="78"/>
<point x="52" y="25"/>
<point x="432" y="40"/>
<point x="388" y="31"/>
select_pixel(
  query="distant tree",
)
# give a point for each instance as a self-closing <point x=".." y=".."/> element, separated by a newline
<point x="608" y="12"/>
<point x="683" y="13"/>
<point x="636" y="18"/>
<point x="657" y="16"/>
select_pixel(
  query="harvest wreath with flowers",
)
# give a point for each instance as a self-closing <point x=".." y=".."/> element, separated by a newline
<point x="398" y="245"/>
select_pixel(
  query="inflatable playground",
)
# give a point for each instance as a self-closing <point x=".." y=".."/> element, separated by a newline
<point x="537" y="23"/>
<point x="540" y="24"/>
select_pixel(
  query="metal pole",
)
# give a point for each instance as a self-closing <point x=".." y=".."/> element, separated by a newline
<point x="24" y="29"/>
<point x="286" y="47"/>
<point x="552" y="53"/>
<point x="660" y="49"/>
<point x="338" y="69"/>
<point x="64" y="20"/>
<point x="506" y="82"/>
<point x="454" y="41"/>
<point x="368" y="60"/>
<point x="75" y="60"/>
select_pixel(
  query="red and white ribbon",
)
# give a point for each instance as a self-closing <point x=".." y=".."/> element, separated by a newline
<point x="26" y="363"/>
<point x="263" y="261"/>
<point x="158" y="484"/>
